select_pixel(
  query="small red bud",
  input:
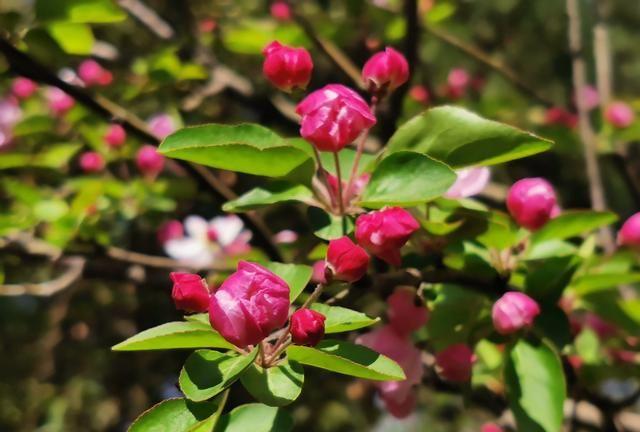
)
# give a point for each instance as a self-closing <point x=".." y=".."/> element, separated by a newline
<point x="307" y="327"/>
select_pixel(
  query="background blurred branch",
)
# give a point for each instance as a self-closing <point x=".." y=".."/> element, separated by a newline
<point x="72" y="271"/>
<point x="148" y="17"/>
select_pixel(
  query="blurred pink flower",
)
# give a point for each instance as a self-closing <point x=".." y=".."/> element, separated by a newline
<point x="23" y="88"/>
<point x="285" y="237"/>
<point x="161" y="125"/>
<point x="10" y="114"/>
<point x="620" y="115"/>
<point x="206" y="242"/>
<point x="470" y="182"/>
<point x="406" y="312"/>
<point x="590" y="97"/>
<point x="59" y="101"/>
<point x="280" y="11"/>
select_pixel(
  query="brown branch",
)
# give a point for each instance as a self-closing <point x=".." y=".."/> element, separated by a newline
<point x="587" y="135"/>
<point x="23" y="64"/>
<point x="157" y="261"/>
<point x="73" y="267"/>
<point x="602" y="52"/>
<point x="496" y="65"/>
<point x="148" y="17"/>
<point x="329" y="49"/>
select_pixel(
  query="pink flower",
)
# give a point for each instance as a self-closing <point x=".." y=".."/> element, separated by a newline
<point x="347" y="261"/>
<point x="249" y="305"/>
<point x="455" y="362"/>
<point x="285" y="237"/>
<point x="190" y="292"/>
<point x="490" y="427"/>
<point x="420" y="94"/>
<point x="399" y="396"/>
<point x="23" y="88"/>
<point x="590" y="97"/>
<point x="382" y="233"/>
<point x="92" y="74"/>
<point x="319" y="272"/>
<point x="458" y="81"/>
<point x="287" y="67"/>
<point x="59" y="101"/>
<point x="115" y="136"/>
<point x="161" y="125"/>
<point x="280" y="11"/>
<point x="333" y="117"/>
<point x="171" y="229"/>
<point x="385" y="70"/>
<point x="556" y="116"/>
<point x="149" y="161"/>
<point x="532" y="202"/>
<point x="514" y="311"/>
<point x="620" y="115"/>
<point x="629" y="234"/>
<point x="407" y="312"/>
<point x="307" y="327"/>
<point x="91" y="162"/>
<point x="470" y="181"/>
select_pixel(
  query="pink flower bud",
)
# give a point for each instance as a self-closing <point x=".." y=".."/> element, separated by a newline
<point x="590" y="97"/>
<point x="249" y="305"/>
<point x="23" y="88"/>
<point x="556" y="116"/>
<point x="92" y="74"/>
<point x="170" y="230"/>
<point x="420" y="94"/>
<point x="490" y="427"/>
<point x="386" y="70"/>
<point x="161" y="125"/>
<point x="115" y="136"/>
<point x="458" y="82"/>
<point x="532" y="202"/>
<point x="619" y="114"/>
<point x="319" y="272"/>
<point x="382" y="233"/>
<point x="513" y="311"/>
<point x="407" y="312"/>
<point x="149" y="161"/>
<point x="190" y="292"/>
<point x="280" y="11"/>
<point x="307" y="327"/>
<point x="91" y="162"/>
<point x="470" y="182"/>
<point x="334" y="117"/>
<point x="59" y="101"/>
<point x="455" y="363"/>
<point x="629" y="234"/>
<point x="347" y="261"/>
<point x="287" y="67"/>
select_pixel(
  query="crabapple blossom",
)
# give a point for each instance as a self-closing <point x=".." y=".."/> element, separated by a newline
<point x="190" y="292"/>
<point x="287" y="67"/>
<point x="532" y="202"/>
<point x="514" y="311"/>
<point x="307" y="327"/>
<point x="385" y="70"/>
<point x="348" y="262"/>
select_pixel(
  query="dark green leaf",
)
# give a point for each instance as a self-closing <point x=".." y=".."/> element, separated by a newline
<point x="174" y="335"/>
<point x="246" y="148"/>
<point x="546" y="280"/>
<point x="349" y="359"/>
<point x="535" y="386"/>
<point x="599" y="282"/>
<point x="571" y="224"/>
<point x="273" y="193"/>
<point x="327" y="226"/>
<point x="340" y="319"/>
<point x="206" y="373"/>
<point x="461" y="138"/>
<point x="407" y="179"/>
<point x="275" y="386"/>
<point x="255" y="418"/>
<point x="297" y="276"/>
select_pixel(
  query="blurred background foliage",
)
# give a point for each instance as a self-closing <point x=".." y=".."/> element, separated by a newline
<point x="199" y="61"/>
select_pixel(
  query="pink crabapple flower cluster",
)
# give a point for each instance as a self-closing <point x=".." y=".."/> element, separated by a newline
<point x="406" y="313"/>
<point x="202" y="243"/>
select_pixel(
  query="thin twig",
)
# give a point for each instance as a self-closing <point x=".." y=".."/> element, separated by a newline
<point x="73" y="267"/>
<point x="587" y="135"/>
<point x="158" y="261"/>
<point x="23" y="64"/>
<point x="336" y="160"/>
<point x="602" y="52"/>
<point x="148" y="17"/>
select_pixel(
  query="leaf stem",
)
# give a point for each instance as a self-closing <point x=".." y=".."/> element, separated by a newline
<point x="340" y="195"/>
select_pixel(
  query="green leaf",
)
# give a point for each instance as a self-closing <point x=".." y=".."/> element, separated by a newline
<point x="56" y="156"/>
<point x="407" y="179"/>
<point x="547" y="280"/>
<point x="206" y="373"/>
<point x="340" y="319"/>
<point x="255" y="418"/>
<point x="173" y="415"/>
<point x="328" y="226"/>
<point x="461" y="138"/>
<point x="275" y="386"/>
<point x="174" y="335"/>
<point x="588" y="346"/>
<point x="72" y="38"/>
<point x="246" y="148"/>
<point x="273" y="193"/>
<point x="297" y="276"/>
<point x="571" y="224"/>
<point x="79" y="11"/>
<point x="501" y="232"/>
<point x="50" y="210"/>
<point x="535" y="386"/>
<point x="349" y="359"/>
<point x="590" y="283"/>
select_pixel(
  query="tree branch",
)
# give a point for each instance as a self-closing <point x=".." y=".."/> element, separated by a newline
<point x="25" y="65"/>
<point x="73" y="267"/>
<point x="157" y="261"/>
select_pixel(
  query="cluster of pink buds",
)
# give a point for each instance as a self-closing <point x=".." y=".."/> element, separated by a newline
<point x="407" y="313"/>
<point x="93" y="74"/>
<point x="513" y="312"/>
<point x="532" y="202"/>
